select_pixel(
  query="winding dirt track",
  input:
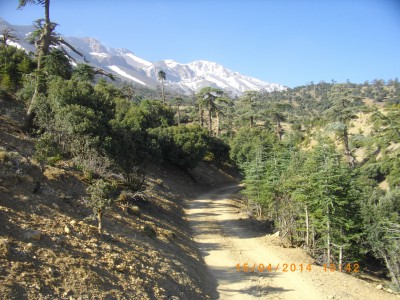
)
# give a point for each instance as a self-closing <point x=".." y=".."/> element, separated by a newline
<point x="226" y="241"/>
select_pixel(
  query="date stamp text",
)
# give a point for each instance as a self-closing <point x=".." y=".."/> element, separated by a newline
<point x="293" y="267"/>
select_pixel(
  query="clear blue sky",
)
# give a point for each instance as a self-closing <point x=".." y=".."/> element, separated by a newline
<point x="291" y="42"/>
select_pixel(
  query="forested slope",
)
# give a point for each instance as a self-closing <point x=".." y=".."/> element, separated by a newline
<point x="321" y="163"/>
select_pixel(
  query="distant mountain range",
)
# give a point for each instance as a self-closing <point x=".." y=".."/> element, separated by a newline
<point x="123" y="63"/>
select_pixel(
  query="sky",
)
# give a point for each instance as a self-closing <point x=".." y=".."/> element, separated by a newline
<point x="291" y="42"/>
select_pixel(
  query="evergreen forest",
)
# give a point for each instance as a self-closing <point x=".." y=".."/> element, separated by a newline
<point x="320" y="163"/>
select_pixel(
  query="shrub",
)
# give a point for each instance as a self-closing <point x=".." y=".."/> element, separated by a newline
<point x="248" y="142"/>
<point x="100" y="198"/>
<point x="218" y="150"/>
<point x="47" y="151"/>
<point x="149" y="231"/>
<point x="4" y="156"/>
<point x="184" y="146"/>
<point x="18" y="63"/>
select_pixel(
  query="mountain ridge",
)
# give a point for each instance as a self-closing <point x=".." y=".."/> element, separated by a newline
<point x="186" y="78"/>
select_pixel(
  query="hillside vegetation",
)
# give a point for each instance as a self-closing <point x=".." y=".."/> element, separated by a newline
<point x="321" y="163"/>
<point x="50" y="245"/>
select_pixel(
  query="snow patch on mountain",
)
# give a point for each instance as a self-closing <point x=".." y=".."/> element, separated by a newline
<point x="139" y="60"/>
<point x="186" y="78"/>
<point x="198" y="74"/>
<point x="104" y="55"/>
<point x="171" y="63"/>
<point x="14" y="44"/>
<point x="124" y="74"/>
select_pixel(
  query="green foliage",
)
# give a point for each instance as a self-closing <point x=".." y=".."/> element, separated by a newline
<point x="27" y="90"/>
<point x="162" y="76"/>
<point x="381" y="219"/>
<point x="100" y="199"/>
<point x="56" y="63"/>
<point x="313" y="197"/>
<point x="149" y="231"/>
<point x="14" y="65"/>
<point x="47" y="151"/>
<point x="77" y="117"/>
<point x="247" y="142"/>
<point x="386" y="135"/>
<point x="128" y="150"/>
<point x="207" y="99"/>
<point x="155" y="114"/>
<point x="88" y="73"/>
<point x="148" y="114"/>
<point x="248" y="108"/>
<point x="100" y="193"/>
<point x="218" y="150"/>
<point x="23" y="3"/>
<point x="390" y="166"/>
<point x="84" y="72"/>
<point x="286" y="183"/>
<point x="184" y="146"/>
<point x="334" y="199"/>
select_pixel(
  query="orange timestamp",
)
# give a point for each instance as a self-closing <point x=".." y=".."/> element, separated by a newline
<point x="292" y="267"/>
<point x="349" y="268"/>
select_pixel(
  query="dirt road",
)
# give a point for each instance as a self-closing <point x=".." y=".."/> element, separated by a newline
<point x="246" y="265"/>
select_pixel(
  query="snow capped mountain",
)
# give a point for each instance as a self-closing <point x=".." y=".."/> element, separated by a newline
<point x="126" y="65"/>
<point x="195" y="75"/>
<point x="20" y="32"/>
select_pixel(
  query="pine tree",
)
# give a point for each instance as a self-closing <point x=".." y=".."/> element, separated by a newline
<point x="247" y="107"/>
<point x="381" y="219"/>
<point x="177" y="101"/>
<point x="162" y="76"/>
<point x="207" y="99"/>
<point x="43" y="37"/>
<point x="343" y="110"/>
<point x="277" y="115"/>
<point x="334" y="207"/>
<point x="100" y="200"/>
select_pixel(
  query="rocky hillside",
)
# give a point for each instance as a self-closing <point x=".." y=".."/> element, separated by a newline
<point x="49" y="245"/>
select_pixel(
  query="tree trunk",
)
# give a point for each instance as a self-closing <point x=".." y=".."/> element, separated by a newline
<point x="313" y="240"/>
<point x="328" y="240"/>
<point x="210" y="118"/>
<point x="218" y="129"/>
<point x="259" y="209"/>
<point x="279" y="129"/>
<point x="47" y="10"/>
<point x="99" y="218"/>
<point x="162" y="91"/>
<point x="39" y="85"/>
<point x="42" y="51"/>
<point x="201" y="116"/>
<point x="251" y="121"/>
<point x="307" y="228"/>
<point x="393" y="276"/>
<point x="5" y="37"/>
<point x="347" y="152"/>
